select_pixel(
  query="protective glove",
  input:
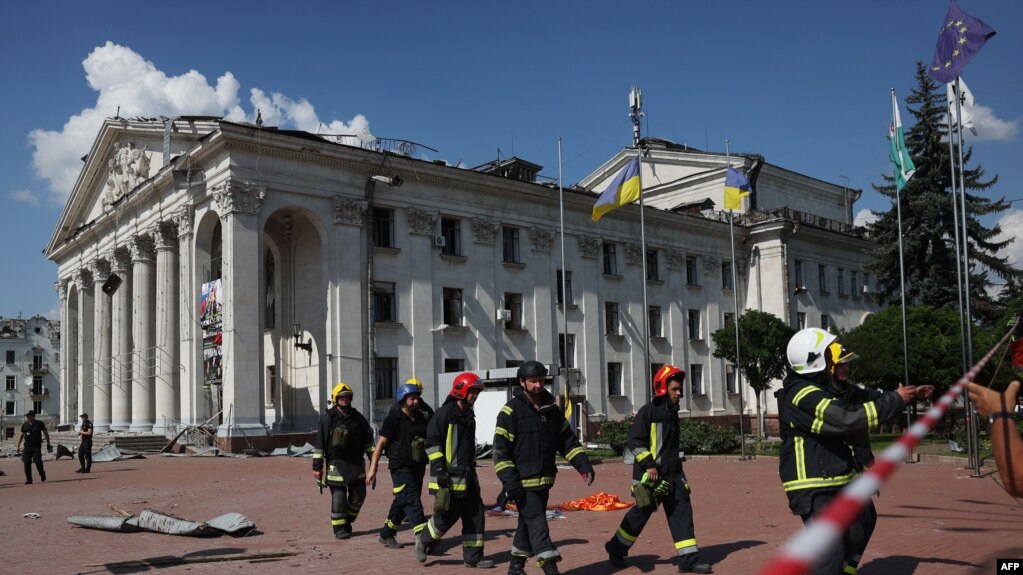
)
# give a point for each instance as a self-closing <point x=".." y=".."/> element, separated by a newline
<point x="516" y="493"/>
<point x="659" y="487"/>
<point x="588" y="477"/>
<point x="443" y="478"/>
<point x="49" y="448"/>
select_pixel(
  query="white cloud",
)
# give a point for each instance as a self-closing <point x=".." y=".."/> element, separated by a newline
<point x="990" y="127"/>
<point x="864" y="217"/>
<point x="1011" y="224"/>
<point x="127" y="82"/>
<point x="25" y="197"/>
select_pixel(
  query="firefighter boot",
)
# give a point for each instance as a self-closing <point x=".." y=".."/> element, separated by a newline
<point x="481" y="564"/>
<point x="698" y="568"/>
<point x="614" y="556"/>
<point x="517" y="565"/>
<point x="550" y="567"/>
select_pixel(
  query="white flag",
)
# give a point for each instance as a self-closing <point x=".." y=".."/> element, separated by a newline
<point x="965" y="104"/>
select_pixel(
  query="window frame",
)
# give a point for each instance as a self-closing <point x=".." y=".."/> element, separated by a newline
<point x="510" y="243"/>
<point x="612" y="318"/>
<point x="385" y="299"/>
<point x="385" y="377"/>
<point x="383" y="225"/>
<point x="610" y="252"/>
<point x="614" y="379"/>
<point x="451" y="230"/>
<point x="450" y="304"/>
<point x="513" y="304"/>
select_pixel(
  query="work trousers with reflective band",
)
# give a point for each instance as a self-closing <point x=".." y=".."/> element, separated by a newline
<point x="679" y="511"/>
<point x="347" y="484"/>
<point x="533" y="537"/>
<point x="408" y="502"/>
<point x="30" y="455"/>
<point x="468" y="508"/>
<point x="843" y="558"/>
<point x="85" y="454"/>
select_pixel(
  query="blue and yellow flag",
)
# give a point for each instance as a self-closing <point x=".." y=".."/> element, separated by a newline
<point x="960" y="38"/>
<point x="568" y="409"/>
<point x="736" y="188"/>
<point x="623" y="190"/>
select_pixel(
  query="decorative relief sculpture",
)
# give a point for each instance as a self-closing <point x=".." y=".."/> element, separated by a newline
<point x="421" y="221"/>
<point x="589" y="246"/>
<point x="142" y="248"/>
<point x="183" y="220"/>
<point x="541" y="238"/>
<point x="164" y="235"/>
<point x="83" y="279"/>
<point x="484" y="231"/>
<point x="129" y="167"/>
<point x="232" y="196"/>
<point x="120" y="258"/>
<point x="349" y="211"/>
<point x="100" y="270"/>
<point x="711" y="266"/>
<point x="676" y="260"/>
<point x="633" y="254"/>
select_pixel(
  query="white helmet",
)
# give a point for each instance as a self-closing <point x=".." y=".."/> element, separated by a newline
<point x="806" y="350"/>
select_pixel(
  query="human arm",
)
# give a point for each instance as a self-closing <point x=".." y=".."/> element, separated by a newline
<point x="574" y="453"/>
<point x="1006" y="443"/>
<point x="319" y="444"/>
<point x="823" y="413"/>
<point x="46" y="432"/>
<point x="371" y="475"/>
<point x="436" y="433"/>
<point x="638" y="442"/>
<point x="504" y="453"/>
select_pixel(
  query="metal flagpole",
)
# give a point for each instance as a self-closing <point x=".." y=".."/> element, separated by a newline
<point x="636" y="114"/>
<point x="564" y="311"/>
<point x="970" y="412"/>
<point x="902" y="284"/>
<point x="955" y="231"/>
<point x="735" y="297"/>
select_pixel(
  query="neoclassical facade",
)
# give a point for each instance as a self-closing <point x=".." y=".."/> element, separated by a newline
<point x="211" y="270"/>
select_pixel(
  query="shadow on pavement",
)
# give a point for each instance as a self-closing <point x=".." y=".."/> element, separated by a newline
<point x="907" y="564"/>
<point x="716" y="553"/>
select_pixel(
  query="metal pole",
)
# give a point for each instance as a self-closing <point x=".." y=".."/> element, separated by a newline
<point x="955" y="231"/>
<point x="972" y="426"/>
<point x="371" y="185"/>
<point x="735" y="299"/>
<point x="636" y="114"/>
<point x="564" y="311"/>
<point x="902" y="288"/>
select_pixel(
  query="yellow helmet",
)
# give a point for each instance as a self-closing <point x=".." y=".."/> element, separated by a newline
<point x="341" y="388"/>
<point x="414" y="381"/>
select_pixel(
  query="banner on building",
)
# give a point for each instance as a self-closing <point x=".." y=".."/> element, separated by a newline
<point x="211" y="321"/>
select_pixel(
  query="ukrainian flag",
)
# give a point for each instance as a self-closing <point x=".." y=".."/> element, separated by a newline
<point x="736" y="188"/>
<point x="623" y="190"/>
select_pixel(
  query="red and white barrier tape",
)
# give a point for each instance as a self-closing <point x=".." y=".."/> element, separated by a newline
<point x="805" y="549"/>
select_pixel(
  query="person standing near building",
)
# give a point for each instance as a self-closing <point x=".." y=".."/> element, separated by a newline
<point x="403" y="437"/>
<point x="531" y="430"/>
<point x="657" y="468"/>
<point x="85" y="448"/>
<point x="817" y="427"/>
<point x="451" y="449"/>
<point x="32" y="432"/>
<point x="344" y="437"/>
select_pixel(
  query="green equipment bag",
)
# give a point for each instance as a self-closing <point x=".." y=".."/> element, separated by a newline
<point x="417" y="451"/>
<point x="442" y="501"/>
<point x="645" y="499"/>
<point x="339" y="437"/>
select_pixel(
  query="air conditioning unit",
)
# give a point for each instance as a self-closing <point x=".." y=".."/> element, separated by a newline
<point x="440" y="242"/>
<point x="866" y="289"/>
<point x="503" y="315"/>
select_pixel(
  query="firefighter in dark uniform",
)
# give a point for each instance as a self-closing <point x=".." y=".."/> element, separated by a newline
<point x="85" y="448"/>
<point x="423" y="406"/>
<point x="531" y="429"/>
<point x="821" y="422"/>
<point x="343" y="439"/>
<point x="32" y="432"/>
<point x="654" y="442"/>
<point x="403" y="438"/>
<point x="451" y="449"/>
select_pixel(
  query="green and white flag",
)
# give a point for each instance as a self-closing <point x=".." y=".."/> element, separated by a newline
<point x="904" y="168"/>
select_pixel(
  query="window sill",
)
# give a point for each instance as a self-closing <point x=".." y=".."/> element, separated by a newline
<point x="615" y="277"/>
<point x="516" y="331"/>
<point x="694" y="286"/>
<point x="386" y="250"/>
<point x="456" y="329"/>
<point x="696" y="339"/>
<point x="699" y="394"/>
<point x="387" y="324"/>
<point x="727" y="289"/>
<point x="453" y="258"/>
<point x="514" y="265"/>
<point x="570" y="306"/>
<point x="615" y="337"/>
<point x="658" y="338"/>
<point x="617" y="397"/>
<point x="655" y="281"/>
<point x="825" y="293"/>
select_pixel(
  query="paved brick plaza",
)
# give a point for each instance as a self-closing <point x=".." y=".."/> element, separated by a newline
<point x="934" y="518"/>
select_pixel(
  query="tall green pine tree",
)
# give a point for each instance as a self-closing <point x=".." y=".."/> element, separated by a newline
<point x="928" y="218"/>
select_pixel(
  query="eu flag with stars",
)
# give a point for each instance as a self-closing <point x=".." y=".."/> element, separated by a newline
<point x="959" y="40"/>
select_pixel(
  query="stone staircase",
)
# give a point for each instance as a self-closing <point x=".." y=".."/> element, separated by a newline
<point x="129" y="441"/>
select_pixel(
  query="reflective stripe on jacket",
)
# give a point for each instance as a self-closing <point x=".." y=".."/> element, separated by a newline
<point x="654" y="440"/>
<point x="451" y="445"/>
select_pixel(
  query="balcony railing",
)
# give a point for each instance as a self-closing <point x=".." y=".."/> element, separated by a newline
<point x="40" y="368"/>
<point x="38" y="392"/>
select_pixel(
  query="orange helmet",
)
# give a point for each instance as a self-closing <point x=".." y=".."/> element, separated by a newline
<point x="665" y="374"/>
<point x="463" y="383"/>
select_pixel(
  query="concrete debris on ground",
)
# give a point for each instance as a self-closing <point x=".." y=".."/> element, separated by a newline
<point x="112" y="453"/>
<point x="234" y="524"/>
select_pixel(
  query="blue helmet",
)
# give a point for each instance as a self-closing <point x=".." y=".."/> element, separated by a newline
<point x="407" y="389"/>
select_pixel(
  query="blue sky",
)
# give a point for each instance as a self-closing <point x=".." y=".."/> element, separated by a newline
<point x="806" y="84"/>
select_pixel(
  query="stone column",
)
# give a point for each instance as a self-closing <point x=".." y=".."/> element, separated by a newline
<point x="238" y="206"/>
<point x="166" y="376"/>
<point x="143" y="333"/>
<point x="85" y="343"/>
<point x="66" y="375"/>
<point x="120" y="348"/>
<point x="101" y="347"/>
<point x="188" y="382"/>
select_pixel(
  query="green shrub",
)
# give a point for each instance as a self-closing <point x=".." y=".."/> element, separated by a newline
<point x="702" y="438"/>
<point x="615" y="433"/>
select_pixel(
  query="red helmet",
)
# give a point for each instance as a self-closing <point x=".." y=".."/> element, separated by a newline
<point x="463" y="383"/>
<point x="665" y="374"/>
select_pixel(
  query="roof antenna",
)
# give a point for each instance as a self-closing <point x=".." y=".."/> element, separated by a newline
<point x="118" y="114"/>
<point x="259" y="118"/>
